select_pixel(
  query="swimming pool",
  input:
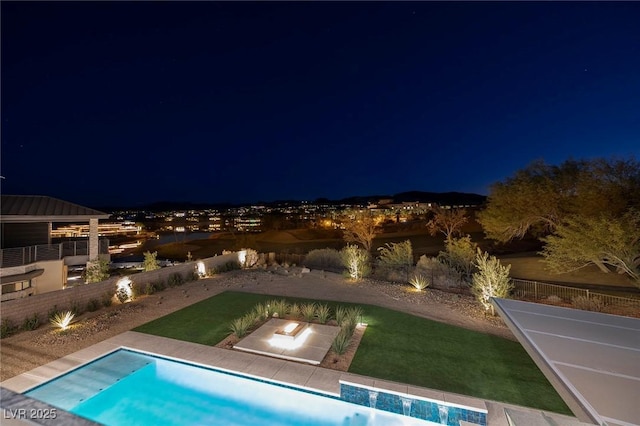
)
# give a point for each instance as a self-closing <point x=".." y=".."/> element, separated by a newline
<point x="132" y="388"/>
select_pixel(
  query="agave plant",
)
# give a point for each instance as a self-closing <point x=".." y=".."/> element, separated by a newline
<point x="419" y="281"/>
<point x="294" y="310"/>
<point x="351" y="319"/>
<point x="62" y="320"/>
<point x="241" y="325"/>
<point x="262" y="311"/>
<point x="323" y="312"/>
<point x="341" y="343"/>
<point x="341" y="314"/>
<point x="308" y="311"/>
<point x="279" y="307"/>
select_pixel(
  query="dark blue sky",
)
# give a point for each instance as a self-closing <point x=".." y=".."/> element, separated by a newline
<point x="125" y="103"/>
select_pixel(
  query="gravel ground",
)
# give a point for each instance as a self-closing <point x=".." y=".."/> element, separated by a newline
<point x="27" y="350"/>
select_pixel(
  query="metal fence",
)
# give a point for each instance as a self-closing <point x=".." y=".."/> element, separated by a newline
<point x="290" y="258"/>
<point x="538" y="291"/>
<point x="18" y="256"/>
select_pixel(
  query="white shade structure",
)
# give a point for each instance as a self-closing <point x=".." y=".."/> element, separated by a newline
<point x="592" y="359"/>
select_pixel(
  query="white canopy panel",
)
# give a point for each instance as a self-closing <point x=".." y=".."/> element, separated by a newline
<point x="592" y="359"/>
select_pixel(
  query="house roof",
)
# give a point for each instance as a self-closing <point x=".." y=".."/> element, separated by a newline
<point x="39" y="208"/>
<point x="590" y="358"/>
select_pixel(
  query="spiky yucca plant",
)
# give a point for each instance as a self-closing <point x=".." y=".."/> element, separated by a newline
<point x="308" y="311"/>
<point x="323" y="312"/>
<point x="62" y="320"/>
<point x="419" y="281"/>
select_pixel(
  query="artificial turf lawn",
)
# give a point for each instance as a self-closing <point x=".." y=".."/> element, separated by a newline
<point x="396" y="346"/>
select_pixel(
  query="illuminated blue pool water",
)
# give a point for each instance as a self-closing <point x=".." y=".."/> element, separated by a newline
<point x="131" y="388"/>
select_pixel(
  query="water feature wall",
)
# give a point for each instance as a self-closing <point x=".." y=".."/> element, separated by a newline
<point x="440" y="412"/>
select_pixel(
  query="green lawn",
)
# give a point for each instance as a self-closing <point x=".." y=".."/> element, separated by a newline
<point x="398" y="347"/>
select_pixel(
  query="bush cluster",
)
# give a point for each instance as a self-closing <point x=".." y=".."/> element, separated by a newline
<point x="175" y="280"/>
<point x="93" y="305"/>
<point x="251" y="258"/>
<point x="554" y="299"/>
<point x="324" y="259"/>
<point x="588" y="303"/>
<point x="7" y="328"/>
<point x="232" y="265"/>
<point x="31" y="322"/>
<point x="396" y="258"/>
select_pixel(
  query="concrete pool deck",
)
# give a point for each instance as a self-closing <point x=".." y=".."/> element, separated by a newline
<point x="282" y="371"/>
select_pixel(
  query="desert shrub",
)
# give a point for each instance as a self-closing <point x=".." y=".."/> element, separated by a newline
<point x="341" y="342"/>
<point x="323" y="312"/>
<point x="192" y="276"/>
<point x="241" y="325"/>
<point x="31" y="322"/>
<point x="106" y="300"/>
<point x="159" y="285"/>
<point x="150" y="289"/>
<point x="357" y="261"/>
<point x="150" y="262"/>
<point x="76" y="308"/>
<point x="396" y="257"/>
<point x="137" y="290"/>
<point x="419" y="281"/>
<point x="325" y="259"/>
<point x="278" y="306"/>
<point x="175" y="279"/>
<point x="460" y="255"/>
<point x="250" y="259"/>
<point x="93" y="305"/>
<point x="7" y="328"/>
<point x="597" y="304"/>
<point x="232" y="265"/>
<point x="53" y="312"/>
<point x="491" y="280"/>
<point x="125" y="290"/>
<point x="122" y="295"/>
<point x="308" y="311"/>
<point x="294" y="310"/>
<point x="440" y="275"/>
<point x="97" y="270"/>
<point x="588" y="304"/>
<point x="554" y="299"/>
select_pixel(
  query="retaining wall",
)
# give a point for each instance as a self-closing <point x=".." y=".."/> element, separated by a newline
<point x="17" y="310"/>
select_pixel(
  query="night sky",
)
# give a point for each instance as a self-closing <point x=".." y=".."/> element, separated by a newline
<point x="127" y="103"/>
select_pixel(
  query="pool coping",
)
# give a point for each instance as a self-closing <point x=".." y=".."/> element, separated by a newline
<point x="288" y="373"/>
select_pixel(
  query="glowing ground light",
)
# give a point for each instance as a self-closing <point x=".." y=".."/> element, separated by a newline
<point x="290" y="327"/>
<point x="291" y="336"/>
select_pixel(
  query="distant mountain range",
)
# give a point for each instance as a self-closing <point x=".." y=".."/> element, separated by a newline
<point x="445" y="198"/>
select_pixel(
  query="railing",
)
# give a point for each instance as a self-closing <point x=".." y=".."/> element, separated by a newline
<point x="18" y="256"/>
<point x="538" y="291"/>
<point x="290" y="258"/>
